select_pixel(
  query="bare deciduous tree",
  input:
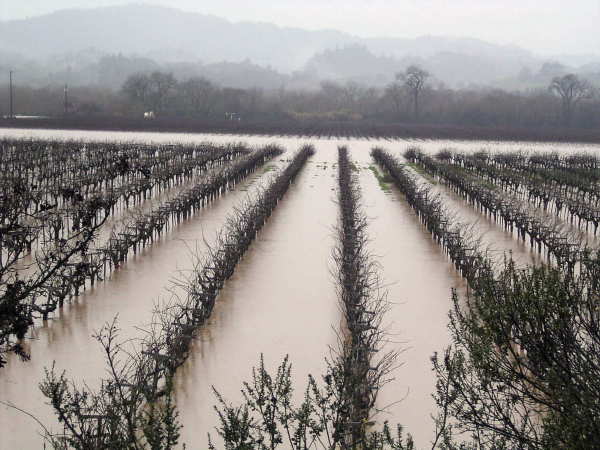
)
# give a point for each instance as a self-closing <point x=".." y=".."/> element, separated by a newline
<point x="572" y="90"/>
<point x="199" y="95"/>
<point x="161" y="86"/>
<point x="414" y="79"/>
<point x="137" y="88"/>
<point x="151" y="91"/>
<point x="395" y="92"/>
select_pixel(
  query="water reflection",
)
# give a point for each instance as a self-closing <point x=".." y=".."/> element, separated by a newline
<point x="281" y="299"/>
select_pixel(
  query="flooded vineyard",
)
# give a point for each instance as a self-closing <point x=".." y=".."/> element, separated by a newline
<point x="142" y="273"/>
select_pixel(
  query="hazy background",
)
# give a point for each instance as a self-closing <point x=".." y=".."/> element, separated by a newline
<point x="548" y="26"/>
<point x="509" y="44"/>
<point x="490" y="62"/>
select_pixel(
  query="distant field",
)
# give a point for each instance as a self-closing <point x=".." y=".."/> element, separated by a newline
<point x="367" y="129"/>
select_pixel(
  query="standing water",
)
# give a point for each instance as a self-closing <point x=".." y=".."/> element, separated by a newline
<point x="281" y="299"/>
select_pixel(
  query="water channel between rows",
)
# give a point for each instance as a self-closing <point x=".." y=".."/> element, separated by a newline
<point x="418" y="279"/>
<point x="281" y="299"/>
<point x="129" y="294"/>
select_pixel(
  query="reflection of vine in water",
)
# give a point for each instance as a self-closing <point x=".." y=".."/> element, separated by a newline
<point x="562" y="246"/>
<point x="338" y="412"/>
<point x="564" y="185"/>
<point x="525" y="345"/>
<point x="133" y="407"/>
<point x="67" y="261"/>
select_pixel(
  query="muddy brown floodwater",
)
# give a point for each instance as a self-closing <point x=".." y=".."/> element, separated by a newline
<point x="281" y="299"/>
<point x="129" y="293"/>
<point x="419" y="279"/>
<point x="492" y="236"/>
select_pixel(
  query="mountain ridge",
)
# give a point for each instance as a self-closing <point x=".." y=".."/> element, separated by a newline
<point x="71" y="38"/>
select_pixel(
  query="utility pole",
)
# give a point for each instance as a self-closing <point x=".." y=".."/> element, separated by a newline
<point x="66" y="99"/>
<point x="11" y="115"/>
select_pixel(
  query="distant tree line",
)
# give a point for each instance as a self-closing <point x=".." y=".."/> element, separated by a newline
<point x="412" y="97"/>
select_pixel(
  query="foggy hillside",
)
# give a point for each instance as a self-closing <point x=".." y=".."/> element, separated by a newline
<point x="103" y="46"/>
<point x="164" y="34"/>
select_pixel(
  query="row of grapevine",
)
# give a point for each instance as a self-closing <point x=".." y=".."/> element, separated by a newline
<point x="126" y="416"/>
<point x="511" y="212"/>
<point x="580" y="202"/>
<point x="364" y="369"/>
<point x="525" y="344"/>
<point x="34" y="286"/>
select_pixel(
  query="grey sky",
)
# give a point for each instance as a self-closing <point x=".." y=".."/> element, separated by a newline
<point x="544" y="26"/>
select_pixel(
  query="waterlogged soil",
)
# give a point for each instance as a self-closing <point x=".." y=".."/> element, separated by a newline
<point x="281" y="299"/>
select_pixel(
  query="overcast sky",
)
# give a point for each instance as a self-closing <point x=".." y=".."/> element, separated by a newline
<point x="544" y="26"/>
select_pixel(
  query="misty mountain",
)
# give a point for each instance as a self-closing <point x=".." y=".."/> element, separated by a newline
<point x="455" y="68"/>
<point x="355" y="63"/>
<point x="111" y="71"/>
<point x="104" y="45"/>
<point x="164" y="34"/>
